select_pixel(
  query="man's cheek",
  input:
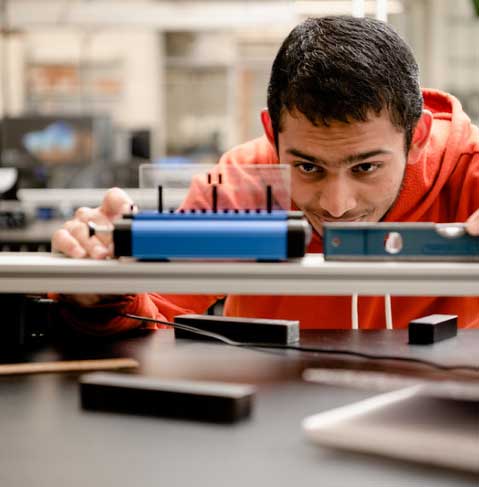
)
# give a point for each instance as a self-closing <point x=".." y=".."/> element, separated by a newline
<point x="303" y="199"/>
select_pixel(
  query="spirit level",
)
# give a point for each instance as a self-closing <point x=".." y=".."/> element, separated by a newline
<point x="399" y="241"/>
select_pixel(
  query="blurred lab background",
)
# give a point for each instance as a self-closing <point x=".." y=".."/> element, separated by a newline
<point x="91" y="89"/>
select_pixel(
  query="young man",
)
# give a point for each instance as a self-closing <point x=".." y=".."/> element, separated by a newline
<point x="346" y="112"/>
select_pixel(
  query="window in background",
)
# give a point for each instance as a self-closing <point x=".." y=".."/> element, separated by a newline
<point x="463" y="54"/>
<point x="197" y="92"/>
<point x="74" y="88"/>
<point x="216" y="85"/>
<point x="255" y="57"/>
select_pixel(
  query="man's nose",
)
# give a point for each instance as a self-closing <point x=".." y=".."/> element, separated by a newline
<point x="337" y="197"/>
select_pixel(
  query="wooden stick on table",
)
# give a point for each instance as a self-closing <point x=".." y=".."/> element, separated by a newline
<point x="67" y="366"/>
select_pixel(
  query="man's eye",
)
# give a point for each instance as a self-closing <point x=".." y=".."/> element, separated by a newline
<point x="308" y="168"/>
<point x="365" y="168"/>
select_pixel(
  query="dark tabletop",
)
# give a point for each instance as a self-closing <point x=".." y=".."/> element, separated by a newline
<point x="48" y="440"/>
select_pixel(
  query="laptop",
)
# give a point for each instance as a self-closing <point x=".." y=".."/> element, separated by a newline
<point x="409" y="423"/>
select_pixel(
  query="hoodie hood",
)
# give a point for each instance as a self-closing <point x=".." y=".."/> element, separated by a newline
<point x="430" y="187"/>
<point x="452" y="136"/>
<point x="443" y="183"/>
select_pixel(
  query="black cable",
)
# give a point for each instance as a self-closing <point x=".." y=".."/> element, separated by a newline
<point x="331" y="351"/>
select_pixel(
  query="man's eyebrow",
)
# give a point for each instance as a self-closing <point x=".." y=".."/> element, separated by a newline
<point x="302" y="155"/>
<point x="365" y="155"/>
<point x="353" y="158"/>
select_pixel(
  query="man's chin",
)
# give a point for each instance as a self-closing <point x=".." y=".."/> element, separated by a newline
<point x="318" y="227"/>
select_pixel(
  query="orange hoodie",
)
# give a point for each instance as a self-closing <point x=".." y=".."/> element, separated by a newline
<point x="442" y="186"/>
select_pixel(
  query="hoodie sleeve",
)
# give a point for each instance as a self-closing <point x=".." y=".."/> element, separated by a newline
<point x="465" y="187"/>
<point x="474" y="177"/>
<point x="106" y="318"/>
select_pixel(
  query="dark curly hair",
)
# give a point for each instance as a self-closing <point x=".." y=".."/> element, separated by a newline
<point x="342" y="68"/>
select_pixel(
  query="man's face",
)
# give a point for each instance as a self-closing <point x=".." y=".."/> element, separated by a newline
<point x="344" y="172"/>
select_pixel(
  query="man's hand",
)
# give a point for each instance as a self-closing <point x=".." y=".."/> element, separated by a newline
<point x="73" y="238"/>
<point x="472" y="224"/>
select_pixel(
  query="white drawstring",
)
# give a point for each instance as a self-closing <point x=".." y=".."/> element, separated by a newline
<point x="388" y="312"/>
<point x="354" y="312"/>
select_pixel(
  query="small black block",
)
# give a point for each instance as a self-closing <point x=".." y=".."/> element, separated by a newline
<point x="250" y="330"/>
<point x="217" y="402"/>
<point x="432" y="329"/>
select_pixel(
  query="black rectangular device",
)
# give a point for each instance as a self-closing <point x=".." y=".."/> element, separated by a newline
<point x="218" y="402"/>
<point x="431" y="329"/>
<point x="27" y="320"/>
<point x="250" y="330"/>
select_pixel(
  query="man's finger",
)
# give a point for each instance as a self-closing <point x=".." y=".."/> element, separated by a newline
<point x="93" y="245"/>
<point x="472" y="224"/>
<point x="94" y="215"/>
<point x="85" y="214"/>
<point x="115" y="203"/>
<point x="64" y="242"/>
<point x="472" y="227"/>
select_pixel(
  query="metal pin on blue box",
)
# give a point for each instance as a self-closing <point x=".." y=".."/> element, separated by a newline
<point x="241" y="234"/>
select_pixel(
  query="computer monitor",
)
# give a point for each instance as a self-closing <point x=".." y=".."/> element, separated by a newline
<point x="57" y="151"/>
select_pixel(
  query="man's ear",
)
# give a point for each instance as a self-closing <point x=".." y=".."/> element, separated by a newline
<point x="421" y="135"/>
<point x="267" y="126"/>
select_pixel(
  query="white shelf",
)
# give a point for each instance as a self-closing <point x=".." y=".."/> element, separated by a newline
<point x="56" y="197"/>
<point x="42" y="272"/>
